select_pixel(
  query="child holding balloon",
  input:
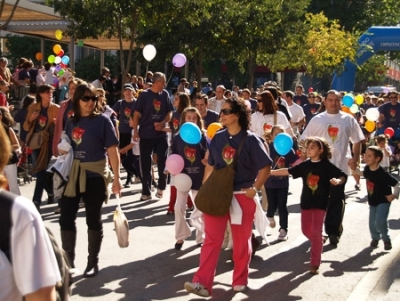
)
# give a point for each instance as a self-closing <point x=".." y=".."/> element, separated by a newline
<point x="195" y="158"/>
<point x="318" y="174"/>
<point x="277" y="188"/>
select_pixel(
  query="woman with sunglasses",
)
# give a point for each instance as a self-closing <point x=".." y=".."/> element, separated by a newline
<point x="311" y="107"/>
<point x="40" y="118"/>
<point x="93" y="138"/>
<point x="254" y="165"/>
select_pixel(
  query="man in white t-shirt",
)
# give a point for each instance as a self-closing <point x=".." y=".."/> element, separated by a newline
<point x="338" y="128"/>
<point x="215" y="103"/>
<point x="298" y="116"/>
<point x="28" y="266"/>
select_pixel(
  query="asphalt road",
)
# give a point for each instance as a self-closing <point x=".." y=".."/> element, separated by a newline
<point x="151" y="269"/>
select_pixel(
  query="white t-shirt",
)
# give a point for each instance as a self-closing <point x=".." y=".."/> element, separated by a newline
<point x="338" y="129"/>
<point x="261" y="123"/>
<point x="297" y="115"/>
<point x="34" y="264"/>
<point x="49" y="76"/>
<point x="386" y="159"/>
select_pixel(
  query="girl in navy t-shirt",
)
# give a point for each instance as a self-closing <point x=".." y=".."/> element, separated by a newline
<point x="194" y="156"/>
<point x="318" y="175"/>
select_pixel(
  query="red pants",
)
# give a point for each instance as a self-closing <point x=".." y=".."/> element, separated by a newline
<point x="214" y="227"/>
<point x="172" y="199"/>
<point x="312" y="221"/>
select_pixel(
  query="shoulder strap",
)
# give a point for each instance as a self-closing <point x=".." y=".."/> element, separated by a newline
<point x="6" y="202"/>
<point x="275" y="118"/>
<point x="239" y="150"/>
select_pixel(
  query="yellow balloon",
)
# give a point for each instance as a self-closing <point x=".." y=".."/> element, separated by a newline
<point x="56" y="49"/>
<point x="58" y="34"/>
<point x="370" y="126"/>
<point x="359" y="99"/>
<point x="212" y="129"/>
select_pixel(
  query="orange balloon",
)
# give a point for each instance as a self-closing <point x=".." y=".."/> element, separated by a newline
<point x="370" y="126"/>
<point x="345" y="109"/>
<point x="39" y="56"/>
<point x="212" y="129"/>
<point x="57" y="48"/>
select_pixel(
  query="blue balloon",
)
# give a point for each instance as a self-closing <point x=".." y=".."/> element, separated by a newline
<point x="190" y="133"/>
<point x="65" y="60"/>
<point x="348" y="101"/>
<point x="283" y="143"/>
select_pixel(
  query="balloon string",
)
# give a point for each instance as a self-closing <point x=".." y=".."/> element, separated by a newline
<point x="172" y="72"/>
<point x="276" y="163"/>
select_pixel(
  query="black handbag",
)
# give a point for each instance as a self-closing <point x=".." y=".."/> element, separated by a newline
<point x="215" y="194"/>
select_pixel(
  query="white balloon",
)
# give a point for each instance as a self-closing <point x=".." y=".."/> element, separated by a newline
<point x="182" y="182"/>
<point x="372" y="114"/>
<point x="149" y="52"/>
<point x="57" y="60"/>
<point x="354" y="108"/>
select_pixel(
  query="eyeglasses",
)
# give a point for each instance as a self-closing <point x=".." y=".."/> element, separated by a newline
<point x="87" y="98"/>
<point x="227" y="111"/>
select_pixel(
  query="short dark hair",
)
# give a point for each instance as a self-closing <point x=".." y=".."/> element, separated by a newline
<point x="378" y="153"/>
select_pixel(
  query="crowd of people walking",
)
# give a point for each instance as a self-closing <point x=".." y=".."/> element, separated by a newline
<point x="95" y="135"/>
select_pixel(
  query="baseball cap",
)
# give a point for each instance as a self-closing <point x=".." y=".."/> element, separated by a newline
<point x="128" y="87"/>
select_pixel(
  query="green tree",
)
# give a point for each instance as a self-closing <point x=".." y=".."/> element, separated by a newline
<point x="95" y="18"/>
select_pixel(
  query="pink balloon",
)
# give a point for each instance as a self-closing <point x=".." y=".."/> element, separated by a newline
<point x="179" y="60"/>
<point x="174" y="164"/>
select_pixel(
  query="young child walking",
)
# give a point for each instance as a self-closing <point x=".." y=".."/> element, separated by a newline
<point x="277" y="188"/>
<point x="382" y="143"/>
<point x="194" y="156"/>
<point x="318" y="173"/>
<point x="380" y="196"/>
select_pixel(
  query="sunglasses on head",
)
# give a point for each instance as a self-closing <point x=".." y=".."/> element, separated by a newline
<point x="227" y="111"/>
<point x="87" y="98"/>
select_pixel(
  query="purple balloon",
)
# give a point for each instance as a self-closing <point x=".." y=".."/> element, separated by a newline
<point x="57" y="68"/>
<point x="179" y="60"/>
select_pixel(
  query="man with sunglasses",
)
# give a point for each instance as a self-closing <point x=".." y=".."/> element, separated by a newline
<point x="390" y="115"/>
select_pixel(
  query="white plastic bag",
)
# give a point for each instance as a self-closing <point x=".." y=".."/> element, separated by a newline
<point x="121" y="226"/>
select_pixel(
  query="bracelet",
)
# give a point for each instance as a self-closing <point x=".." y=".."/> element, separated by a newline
<point x="254" y="188"/>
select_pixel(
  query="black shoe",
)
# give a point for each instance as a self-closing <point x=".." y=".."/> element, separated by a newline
<point x="127" y="183"/>
<point x="91" y="271"/>
<point x="333" y="239"/>
<point x="254" y="244"/>
<point x="170" y="212"/>
<point x="178" y="246"/>
<point x="387" y="245"/>
<point x="374" y="243"/>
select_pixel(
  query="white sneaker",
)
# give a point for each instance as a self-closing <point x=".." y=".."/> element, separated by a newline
<point x="272" y="223"/>
<point x="282" y="235"/>
<point x="159" y="194"/>
<point x="197" y="289"/>
<point x="145" y="197"/>
<point x="239" y="288"/>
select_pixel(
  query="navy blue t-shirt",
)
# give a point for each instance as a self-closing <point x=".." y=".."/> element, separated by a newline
<point x="68" y="113"/>
<point x="391" y="114"/>
<point x="379" y="185"/>
<point x="252" y="157"/>
<point x="42" y="119"/>
<point x="20" y="118"/>
<point x="210" y="117"/>
<point x="153" y="107"/>
<point x="90" y="137"/>
<point x="192" y="155"/>
<point x="300" y="100"/>
<point x="316" y="182"/>
<point x="310" y="110"/>
<point x="124" y="108"/>
<point x="278" y="163"/>
<point x="174" y="122"/>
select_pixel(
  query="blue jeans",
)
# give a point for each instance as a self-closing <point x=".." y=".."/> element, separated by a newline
<point x="378" y="224"/>
<point x="43" y="182"/>
<point x="277" y="199"/>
